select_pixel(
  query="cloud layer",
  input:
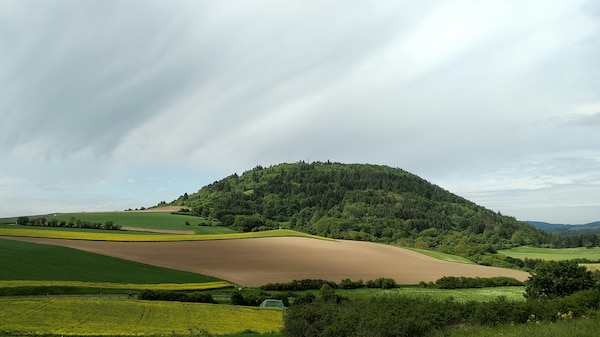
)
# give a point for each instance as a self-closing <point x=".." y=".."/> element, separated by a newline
<point x="111" y="105"/>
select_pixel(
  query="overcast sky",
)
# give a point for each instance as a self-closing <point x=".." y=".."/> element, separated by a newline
<point x="109" y="105"/>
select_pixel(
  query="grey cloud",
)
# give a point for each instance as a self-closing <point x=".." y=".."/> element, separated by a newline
<point x="472" y="96"/>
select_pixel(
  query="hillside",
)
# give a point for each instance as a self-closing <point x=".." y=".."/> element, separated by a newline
<point x="359" y="202"/>
<point x="584" y="235"/>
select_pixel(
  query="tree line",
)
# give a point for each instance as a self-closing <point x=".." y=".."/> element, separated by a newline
<point x="71" y="223"/>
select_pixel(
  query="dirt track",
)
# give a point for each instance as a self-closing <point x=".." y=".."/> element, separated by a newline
<point x="253" y="262"/>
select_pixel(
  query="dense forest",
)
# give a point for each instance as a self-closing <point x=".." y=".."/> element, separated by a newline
<point x="364" y="202"/>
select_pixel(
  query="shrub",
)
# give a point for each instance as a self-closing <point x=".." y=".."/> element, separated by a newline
<point x="552" y="279"/>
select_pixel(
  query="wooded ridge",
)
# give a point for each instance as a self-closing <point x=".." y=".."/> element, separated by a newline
<point x="362" y="202"/>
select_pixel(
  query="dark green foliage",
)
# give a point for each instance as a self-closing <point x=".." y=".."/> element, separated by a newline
<point x="415" y="317"/>
<point x="362" y="202"/>
<point x="22" y="221"/>
<point x="349" y="284"/>
<point x="163" y="295"/>
<point x="452" y="282"/>
<point x="299" y="285"/>
<point x="383" y="283"/>
<point x="237" y="298"/>
<point x="552" y="279"/>
<point x="73" y="223"/>
<point x="312" y="284"/>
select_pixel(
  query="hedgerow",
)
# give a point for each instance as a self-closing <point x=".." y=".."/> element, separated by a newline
<point x="403" y="316"/>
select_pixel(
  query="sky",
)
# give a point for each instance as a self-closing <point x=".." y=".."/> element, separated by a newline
<point x="109" y="105"/>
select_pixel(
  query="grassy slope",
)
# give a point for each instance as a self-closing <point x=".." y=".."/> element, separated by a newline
<point x="441" y="256"/>
<point x="75" y="316"/>
<point x="552" y="254"/>
<point x="30" y="261"/>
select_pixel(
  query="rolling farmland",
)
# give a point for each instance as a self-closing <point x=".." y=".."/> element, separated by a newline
<point x="257" y="261"/>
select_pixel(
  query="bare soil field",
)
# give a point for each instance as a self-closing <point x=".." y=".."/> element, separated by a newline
<point x="254" y="262"/>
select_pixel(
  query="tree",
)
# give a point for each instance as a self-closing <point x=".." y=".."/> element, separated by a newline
<point x="327" y="292"/>
<point x="552" y="279"/>
<point x="22" y="221"/>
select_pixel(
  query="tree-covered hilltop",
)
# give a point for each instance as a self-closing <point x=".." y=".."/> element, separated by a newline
<point x="360" y="202"/>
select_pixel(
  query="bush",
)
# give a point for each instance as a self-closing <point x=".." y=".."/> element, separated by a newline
<point x="452" y="282"/>
<point x="552" y="279"/>
<point x="162" y="295"/>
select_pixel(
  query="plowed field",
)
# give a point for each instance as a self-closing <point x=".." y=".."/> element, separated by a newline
<point x="254" y="262"/>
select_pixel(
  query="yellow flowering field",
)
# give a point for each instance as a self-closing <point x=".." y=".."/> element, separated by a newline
<point x="120" y="236"/>
<point x="80" y="317"/>
<point x="109" y="285"/>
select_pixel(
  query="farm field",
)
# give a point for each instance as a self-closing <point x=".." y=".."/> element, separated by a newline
<point x="254" y="262"/>
<point x="37" y="262"/>
<point x="123" y="236"/>
<point x="156" y="220"/>
<point x="123" y="317"/>
<point x="553" y="254"/>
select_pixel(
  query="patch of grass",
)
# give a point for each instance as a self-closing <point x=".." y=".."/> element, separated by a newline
<point x="441" y="256"/>
<point x="460" y="295"/>
<point x="551" y="254"/>
<point x="591" y="266"/>
<point x="42" y="232"/>
<point x="38" y="262"/>
<point x="123" y="317"/>
<point x="582" y="327"/>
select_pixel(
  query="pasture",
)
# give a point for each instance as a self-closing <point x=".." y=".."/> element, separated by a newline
<point x="553" y="254"/>
<point x="123" y="317"/>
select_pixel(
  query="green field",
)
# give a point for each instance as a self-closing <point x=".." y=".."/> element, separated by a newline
<point x="441" y="256"/>
<point x="548" y="254"/>
<point x="124" y="317"/>
<point x="152" y="220"/>
<point x="460" y="295"/>
<point x="31" y="261"/>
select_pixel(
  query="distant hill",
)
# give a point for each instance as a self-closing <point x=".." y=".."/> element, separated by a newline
<point x="563" y="229"/>
<point x="359" y="202"/>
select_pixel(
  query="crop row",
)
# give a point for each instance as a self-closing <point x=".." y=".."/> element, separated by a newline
<point x="109" y="285"/>
<point x="80" y="317"/>
<point x="95" y="236"/>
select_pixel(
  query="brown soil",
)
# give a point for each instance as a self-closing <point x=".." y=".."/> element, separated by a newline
<point x="254" y="262"/>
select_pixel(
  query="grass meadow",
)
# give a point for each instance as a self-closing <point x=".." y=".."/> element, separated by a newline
<point x="548" y="254"/>
<point x="124" y="317"/>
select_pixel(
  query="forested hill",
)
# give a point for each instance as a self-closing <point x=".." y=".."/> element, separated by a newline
<point x="359" y="202"/>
